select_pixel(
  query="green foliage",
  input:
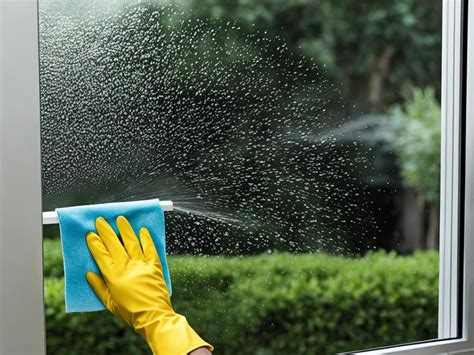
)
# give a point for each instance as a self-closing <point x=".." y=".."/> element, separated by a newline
<point x="85" y="333"/>
<point x="398" y="42"/>
<point x="53" y="258"/>
<point x="271" y="304"/>
<point x="417" y="126"/>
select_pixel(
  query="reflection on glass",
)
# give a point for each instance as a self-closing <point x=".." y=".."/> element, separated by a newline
<point x="302" y="139"/>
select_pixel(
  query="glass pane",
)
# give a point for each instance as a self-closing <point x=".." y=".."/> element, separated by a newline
<point x="299" y="142"/>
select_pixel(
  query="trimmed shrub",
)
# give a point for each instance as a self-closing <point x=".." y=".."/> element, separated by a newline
<point x="270" y="304"/>
<point x="53" y="258"/>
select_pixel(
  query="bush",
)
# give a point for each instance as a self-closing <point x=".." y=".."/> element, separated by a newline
<point x="270" y="304"/>
<point x="417" y="139"/>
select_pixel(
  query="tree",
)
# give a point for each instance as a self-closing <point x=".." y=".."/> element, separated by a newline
<point x="417" y="139"/>
<point x="374" y="50"/>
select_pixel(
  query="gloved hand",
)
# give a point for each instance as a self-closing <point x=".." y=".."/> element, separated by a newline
<point x="134" y="288"/>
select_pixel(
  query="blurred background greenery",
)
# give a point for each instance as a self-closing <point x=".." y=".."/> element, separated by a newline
<point x="358" y="84"/>
<point x="154" y="99"/>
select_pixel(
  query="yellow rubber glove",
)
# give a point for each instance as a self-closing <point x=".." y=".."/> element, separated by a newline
<point x="134" y="288"/>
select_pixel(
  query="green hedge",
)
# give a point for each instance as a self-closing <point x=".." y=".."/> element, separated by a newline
<point x="270" y="304"/>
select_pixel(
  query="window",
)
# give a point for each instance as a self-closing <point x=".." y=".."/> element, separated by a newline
<point x="285" y="141"/>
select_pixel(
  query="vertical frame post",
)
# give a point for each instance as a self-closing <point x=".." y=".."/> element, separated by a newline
<point x="452" y="52"/>
<point x="22" y="329"/>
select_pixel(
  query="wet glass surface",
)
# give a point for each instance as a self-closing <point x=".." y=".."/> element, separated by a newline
<point x="274" y="128"/>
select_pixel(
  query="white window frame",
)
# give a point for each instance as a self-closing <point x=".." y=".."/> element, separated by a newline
<point x="22" y="328"/>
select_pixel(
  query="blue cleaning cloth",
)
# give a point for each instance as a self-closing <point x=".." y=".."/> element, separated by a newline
<point x="76" y="222"/>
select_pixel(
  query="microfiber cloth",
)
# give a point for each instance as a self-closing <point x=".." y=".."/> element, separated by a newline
<point x="76" y="222"/>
